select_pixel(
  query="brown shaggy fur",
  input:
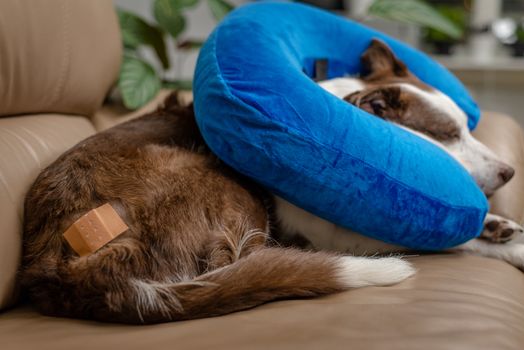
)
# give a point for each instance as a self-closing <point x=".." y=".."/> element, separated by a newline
<point x="197" y="243"/>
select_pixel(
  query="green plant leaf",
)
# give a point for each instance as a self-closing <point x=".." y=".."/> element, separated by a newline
<point x="455" y="14"/>
<point x="190" y="44"/>
<point x="167" y="14"/>
<point x="137" y="32"/>
<point x="178" y="84"/>
<point x="184" y="3"/>
<point x="219" y="8"/>
<point x="416" y="12"/>
<point x="138" y="82"/>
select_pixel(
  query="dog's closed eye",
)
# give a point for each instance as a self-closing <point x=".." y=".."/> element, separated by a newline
<point x="382" y="102"/>
<point x="378" y="106"/>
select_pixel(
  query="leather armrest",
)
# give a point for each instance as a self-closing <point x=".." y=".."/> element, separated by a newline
<point x="27" y="145"/>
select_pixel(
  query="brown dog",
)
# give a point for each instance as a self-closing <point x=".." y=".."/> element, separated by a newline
<point x="197" y="243"/>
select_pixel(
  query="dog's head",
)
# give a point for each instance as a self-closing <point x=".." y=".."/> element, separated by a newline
<point x="391" y="92"/>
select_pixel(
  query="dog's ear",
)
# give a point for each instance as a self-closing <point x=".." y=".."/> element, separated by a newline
<point x="380" y="61"/>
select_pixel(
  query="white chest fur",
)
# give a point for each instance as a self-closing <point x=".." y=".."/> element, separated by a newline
<point x="325" y="235"/>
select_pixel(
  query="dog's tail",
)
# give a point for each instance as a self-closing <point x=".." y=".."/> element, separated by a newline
<point x="264" y="275"/>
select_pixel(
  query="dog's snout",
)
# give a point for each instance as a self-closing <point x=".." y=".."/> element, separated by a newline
<point x="506" y="173"/>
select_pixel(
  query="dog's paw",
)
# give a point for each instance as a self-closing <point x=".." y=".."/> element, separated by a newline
<point x="500" y="230"/>
<point x="360" y="271"/>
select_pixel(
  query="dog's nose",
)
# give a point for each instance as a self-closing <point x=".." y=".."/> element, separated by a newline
<point x="506" y="173"/>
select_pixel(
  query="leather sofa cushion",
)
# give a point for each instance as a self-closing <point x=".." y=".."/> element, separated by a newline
<point x="57" y="55"/>
<point x="27" y="145"/>
<point x="454" y="302"/>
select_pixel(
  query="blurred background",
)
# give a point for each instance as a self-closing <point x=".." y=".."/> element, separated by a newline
<point x="485" y="50"/>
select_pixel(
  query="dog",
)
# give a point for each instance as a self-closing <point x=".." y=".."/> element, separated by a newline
<point x="200" y="242"/>
<point x="388" y="90"/>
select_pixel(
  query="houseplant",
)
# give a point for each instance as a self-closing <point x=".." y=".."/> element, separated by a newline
<point x="139" y="81"/>
<point x="518" y="45"/>
<point x="441" y="42"/>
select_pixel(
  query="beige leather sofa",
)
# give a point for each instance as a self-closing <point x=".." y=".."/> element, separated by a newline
<point x="58" y="59"/>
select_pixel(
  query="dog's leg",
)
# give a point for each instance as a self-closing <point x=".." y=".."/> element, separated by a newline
<point x="497" y="230"/>
<point x="512" y="253"/>
<point x="500" y="230"/>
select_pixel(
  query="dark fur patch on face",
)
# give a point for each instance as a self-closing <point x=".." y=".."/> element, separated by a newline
<point x="382" y="102"/>
<point x="384" y="98"/>
<point x="407" y="109"/>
